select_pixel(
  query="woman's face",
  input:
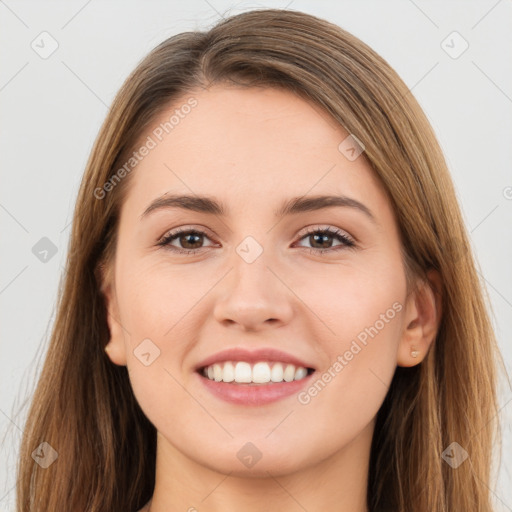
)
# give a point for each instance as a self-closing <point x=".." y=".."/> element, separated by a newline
<point x="257" y="281"/>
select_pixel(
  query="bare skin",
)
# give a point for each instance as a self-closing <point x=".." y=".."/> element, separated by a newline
<point x="252" y="149"/>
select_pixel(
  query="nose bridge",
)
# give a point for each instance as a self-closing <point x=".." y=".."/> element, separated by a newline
<point x="252" y="295"/>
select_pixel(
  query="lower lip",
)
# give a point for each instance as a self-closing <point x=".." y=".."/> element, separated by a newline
<point x="254" y="394"/>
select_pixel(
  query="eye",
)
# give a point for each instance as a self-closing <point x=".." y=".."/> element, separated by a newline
<point x="191" y="240"/>
<point x="324" y="238"/>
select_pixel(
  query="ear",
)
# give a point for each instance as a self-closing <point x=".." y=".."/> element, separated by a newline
<point x="422" y="318"/>
<point x="115" y="348"/>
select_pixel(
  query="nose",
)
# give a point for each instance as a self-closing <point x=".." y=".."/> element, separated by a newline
<point x="253" y="297"/>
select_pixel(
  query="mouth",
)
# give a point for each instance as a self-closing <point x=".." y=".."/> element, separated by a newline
<point x="260" y="373"/>
<point x="240" y="383"/>
<point x="253" y="377"/>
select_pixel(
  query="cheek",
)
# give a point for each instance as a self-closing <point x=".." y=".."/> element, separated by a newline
<point x="360" y="313"/>
<point x="348" y="391"/>
<point x="348" y="298"/>
<point x="163" y="309"/>
<point x="157" y="296"/>
<point x="335" y="307"/>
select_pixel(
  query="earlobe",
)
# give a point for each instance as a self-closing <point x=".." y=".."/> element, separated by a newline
<point x="115" y="348"/>
<point x="421" y="321"/>
<point x="116" y="354"/>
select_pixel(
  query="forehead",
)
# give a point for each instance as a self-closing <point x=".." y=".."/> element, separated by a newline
<point x="248" y="146"/>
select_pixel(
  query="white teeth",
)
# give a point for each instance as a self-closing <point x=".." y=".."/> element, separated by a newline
<point x="277" y="373"/>
<point x="217" y="372"/>
<point x="289" y="373"/>
<point x="260" y="373"/>
<point x="243" y="372"/>
<point x="228" y="373"/>
<point x="300" y="373"/>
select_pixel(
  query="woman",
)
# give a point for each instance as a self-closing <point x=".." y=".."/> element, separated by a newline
<point x="203" y="357"/>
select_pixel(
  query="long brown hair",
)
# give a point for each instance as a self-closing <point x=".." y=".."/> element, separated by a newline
<point x="83" y="405"/>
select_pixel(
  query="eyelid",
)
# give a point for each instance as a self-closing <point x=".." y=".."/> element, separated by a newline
<point x="185" y="229"/>
<point x="307" y="230"/>
<point x="347" y="240"/>
<point x="325" y="227"/>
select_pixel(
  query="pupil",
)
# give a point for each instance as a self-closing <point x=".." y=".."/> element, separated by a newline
<point x="186" y="237"/>
<point x="325" y="244"/>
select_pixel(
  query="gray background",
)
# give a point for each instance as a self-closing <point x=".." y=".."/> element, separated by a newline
<point x="51" y="109"/>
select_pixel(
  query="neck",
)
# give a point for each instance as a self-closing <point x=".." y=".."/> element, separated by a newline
<point x="336" y="484"/>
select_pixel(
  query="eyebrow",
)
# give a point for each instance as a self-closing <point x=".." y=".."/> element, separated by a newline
<point x="209" y="205"/>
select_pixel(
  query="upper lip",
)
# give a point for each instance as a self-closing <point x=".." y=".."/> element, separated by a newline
<point x="252" y="356"/>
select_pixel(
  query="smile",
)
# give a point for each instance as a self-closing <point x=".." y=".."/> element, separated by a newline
<point x="254" y="385"/>
<point x="262" y="372"/>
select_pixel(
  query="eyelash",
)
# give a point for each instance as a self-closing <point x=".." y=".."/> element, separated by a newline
<point x="347" y="243"/>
